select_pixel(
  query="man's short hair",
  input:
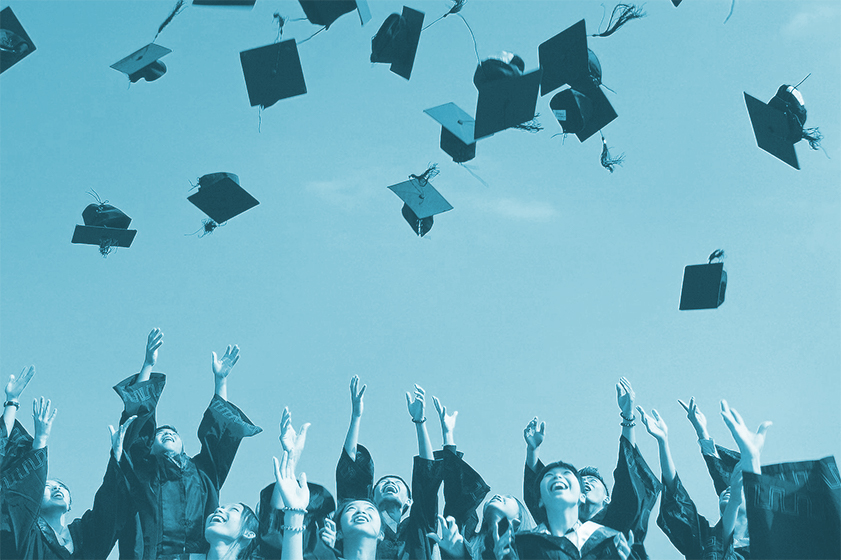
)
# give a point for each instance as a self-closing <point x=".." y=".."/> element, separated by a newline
<point x="343" y="505"/>
<point x="594" y="472"/>
<point x="408" y="488"/>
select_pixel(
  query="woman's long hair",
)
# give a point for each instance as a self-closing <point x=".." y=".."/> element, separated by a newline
<point x="476" y="544"/>
<point x="250" y="522"/>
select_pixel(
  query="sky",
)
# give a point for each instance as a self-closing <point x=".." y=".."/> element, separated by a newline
<point x="532" y="297"/>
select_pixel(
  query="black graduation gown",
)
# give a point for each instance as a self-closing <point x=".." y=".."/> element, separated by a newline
<point x="635" y="491"/>
<point x="537" y="545"/>
<point x="689" y="531"/>
<point x="355" y="480"/>
<point x="174" y="495"/>
<point x="270" y="537"/>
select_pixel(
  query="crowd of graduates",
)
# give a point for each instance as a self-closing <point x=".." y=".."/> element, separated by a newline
<point x="157" y="502"/>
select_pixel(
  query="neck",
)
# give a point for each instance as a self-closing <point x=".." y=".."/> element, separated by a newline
<point x="392" y="509"/>
<point x="220" y="550"/>
<point x="54" y="519"/>
<point x="587" y="510"/>
<point x="359" y="547"/>
<point x="561" y="520"/>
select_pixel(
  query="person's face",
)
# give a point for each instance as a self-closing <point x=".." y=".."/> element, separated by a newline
<point x="56" y="495"/>
<point x="225" y="523"/>
<point x="361" y="516"/>
<point x="391" y="490"/>
<point x="595" y="491"/>
<point x="560" y="485"/>
<point x="505" y="505"/>
<point x="167" y="441"/>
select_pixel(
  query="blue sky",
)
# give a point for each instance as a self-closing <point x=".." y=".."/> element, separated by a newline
<point x="532" y="297"/>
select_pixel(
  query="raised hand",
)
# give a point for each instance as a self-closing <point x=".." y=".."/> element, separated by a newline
<point x="502" y="543"/>
<point x="655" y="425"/>
<point x="416" y="405"/>
<point x="118" y="436"/>
<point x="16" y="385"/>
<point x="327" y="534"/>
<point x="750" y="443"/>
<point x="534" y="433"/>
<point x="356" y="396"/>
<point x="292" y="442"/>
<point x="221" y="368"/>
<point x="295" y="493"/>
<point x="623" y="546"/>
<point x="43" y="417"/>
<point x="448" y="421"/>
<point x="153" y="342"/>
<point x="699" y="421"/>
<point x="448" y="537"/>
<point x="625" y="397"/>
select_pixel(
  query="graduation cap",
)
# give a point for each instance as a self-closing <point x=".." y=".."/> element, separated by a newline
<point x="143" y="63"/>
<point x="325" y="12"/>
<point x="580" y="114"/>
<point x="105" y="226"/>
<point x="676" y="3"/>
<point x="273" y="73"/>
<point x="15" y="44"/>
<point x="565" y="59"/>
<point x="230" y="3"/>
<point x="221" y="198"/>
<point x="704" y="284"/>
<point x="507" y="97"/>
<point x="456" y="131"/>
<point x="397" y="41"/>
<point x="421" y="201"/>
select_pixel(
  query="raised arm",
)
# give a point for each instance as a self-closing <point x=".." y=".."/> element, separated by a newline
<point x="292" y="441"/>
<point x="14" y="388"/>
<point x="656" y="426"/>
<point x="417" y="409"/>
<point x="625" y="398"/>
<point x="43" y="417"/>
<point x="352" y="437"/>
<point x="448" y="422"/>
<point x="153" y="342"/>
<point x="295" y="495"/>
<point x="534" y="434"/>
<point x="221" y="368"/>
<point x="696" y="418"/>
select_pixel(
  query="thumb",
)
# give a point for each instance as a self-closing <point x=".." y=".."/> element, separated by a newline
<point x="303" y="431"/>
<point x="112" y="430"/>
<point x="214" y="358"/>
<point x="302" y="480"/>
<point x="434" y="537"/>
<point x="764" y="427"/>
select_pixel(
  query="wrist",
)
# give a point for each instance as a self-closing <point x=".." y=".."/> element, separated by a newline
<point x="419" y="421"/>
<point x="39" y="442"/>
<point x="11" y="401"/>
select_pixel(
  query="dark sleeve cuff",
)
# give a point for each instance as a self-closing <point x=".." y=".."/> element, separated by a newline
<point x="231" y="419"/>
<point x="355" y="479"/>
<point x="136" y="395"/>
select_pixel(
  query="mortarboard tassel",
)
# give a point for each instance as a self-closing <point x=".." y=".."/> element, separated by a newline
<point x="732" y="5"/>
<point x="106" y="246"/>
<point x="813" y="136"/>
<point x="425" y="177"/>
<point x="179" y="6"/>
<point x="608" y="162"/>
<point x="627" y="12"/>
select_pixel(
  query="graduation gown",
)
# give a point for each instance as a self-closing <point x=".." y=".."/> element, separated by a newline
<point x="270" y="537"/>
<point x="689" y="531"/>
<point x="173" y="495"/>
<point x="635" y="491"/>
<point x="540" y="544"/>
<point x="25" y="534"/>
<point x="355" y="480"/>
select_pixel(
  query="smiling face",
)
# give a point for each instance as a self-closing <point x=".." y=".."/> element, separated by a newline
<point x="56" y="495"/>
<point x="167" y="441"/>
<point x="227" y="524"/>
<point x="391" y="489"/>
<point x="594" y="491"/>
<point x="360" y="517"/>
<point x="504" y="506"/>
<point x="560" y="486"/>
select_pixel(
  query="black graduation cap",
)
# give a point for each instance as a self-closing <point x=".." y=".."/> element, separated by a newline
<point x="456" y="131"/>
<point x="273" y="73"/>
<point x="221" y="197"/>
<point x="676" y="3"/>
<point x="325" y="12"/>
<point x="232" y="3"/>
<point x="565" y="60"/>
<point x="143" y="63"/>
<point x="421" y="201"/>
<point x="15" y="44"/>
<point x="397" y="41"/>
<point x="505" y="102"/>
<point x="704" y="285"/>
<point x="580" y="114"/>
<point x="105" y="226"/>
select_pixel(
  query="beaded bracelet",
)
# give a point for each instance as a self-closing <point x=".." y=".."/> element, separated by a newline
<point x="628" y="424"/>
<point x="293" y="510"/>
<point x="421" y="421"/>
<point x="285" y="528"/>
<point x="631" y="419"/>
<point x="15" y="404"/>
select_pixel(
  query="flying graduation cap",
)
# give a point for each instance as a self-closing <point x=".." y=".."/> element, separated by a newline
<point x="779" y="124"/>
<point x="420" y="200"/>
<point x="325" y="12"/>
<point x="397" y="41"/>
<point x="144" y="63"/>
<point x="15" y="44"/>
<point x="272" y="73"/>
<point x="105" y="226"/>
<point x="507" y="96"/>
<point x="221" y="198"/>
<point x="704" y="284"/>
<point x="456" y="131"/>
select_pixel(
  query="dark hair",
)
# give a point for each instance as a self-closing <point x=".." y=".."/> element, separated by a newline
<point x="63" y="485"/>
<point x="594" y="472"/>
<point x="545" y="471"/>
<point x="250" y="522"/>
<point x="343" y="505"/>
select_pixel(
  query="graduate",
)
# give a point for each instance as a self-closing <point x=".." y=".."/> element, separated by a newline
<point x="405" y="521"/>
<point x="635" y="487"/>
<point x="174" y="494"/>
